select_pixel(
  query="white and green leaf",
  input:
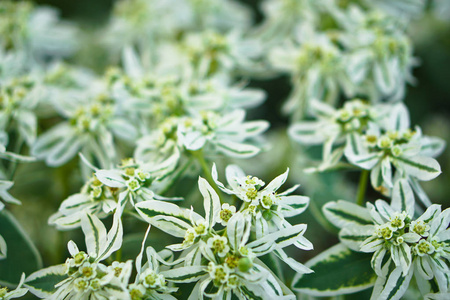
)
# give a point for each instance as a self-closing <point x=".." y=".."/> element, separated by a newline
<point x="42" y="283"/>
<point x="211" y="201"/>
<point x="421" y="167"/>
<point x="185" y="274"/>
<point x="343" y="213"/>
<point x="337" y="271"/>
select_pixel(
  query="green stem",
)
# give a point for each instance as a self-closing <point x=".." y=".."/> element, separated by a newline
<point x="13" y="165"/>
<point x="206" y="169"/>
<point x="363" y="180"/>
<point x="119" y="255"/>
<point x="176" y="177"/>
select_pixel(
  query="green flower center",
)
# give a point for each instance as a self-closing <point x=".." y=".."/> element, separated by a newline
<point x="95" y="285"/>
<point x="189" y="237"/>
<point x="232" y="261"/>
<point x="385" y="233"/>
<point x="79" y="257"/>
<point x="225" y="214"/>
<point x="424" y="247"/>
<point x="220" y="275"/>
<point x="150" y="279"/>
<point x="200" y="229"/>
<point x="218" y="245"/>
<point x="87" y="271"/>
<point x="117" y="271"/>
<point x="420" y="228"/>
<point x="133" y="184"/>
<point x="252" y="193"/>
<point x="267" y="201"/>
<point x="136" y="294"/>
<point x="81" y="284"/>
<point x="397" y="222"/>
<point x="129" y="171"/>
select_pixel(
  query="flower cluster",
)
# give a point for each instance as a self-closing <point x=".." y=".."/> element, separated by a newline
<point x="331" y="48"/>
<point x="172" y="96"/>
<point x="375" y="138"/>
<point x="401" y="244"/>
<point x="225" y="261"/>
<point x="220" y="261"/>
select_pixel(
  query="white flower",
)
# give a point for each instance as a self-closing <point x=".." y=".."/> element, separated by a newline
<point x="133" y="180"/>
<point x="416" y="247"/>
<point x="266" y="208"/>
<point x="181" y="222"/>
<point x="227" y="134"/>
<point x="20" y="97"/>
<point x="219" y="245"/>
<point x="335" y="126"/>
<point x="149" y="280"/>
<point x="378" y="52"/>
<point x="317" y="68"/>
<point x="226" y="213"/>
<point x="93" y="122"/>
<point x="95" y="197"/>
<point x="86" y="276"/>
<point x="393" y="142"/>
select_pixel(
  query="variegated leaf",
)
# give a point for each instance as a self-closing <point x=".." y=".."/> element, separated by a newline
<point x="337" y="271"/>
<point x="238" y="150"/>
<point x="422" y="167"/>
<point x="185" y="274"/>
<point x="343" y="213"/>
<point x="94" y="233"/>
<point x="403" y="197"/>
<point x="211" y="201"/>
<point x="42" y="283"/>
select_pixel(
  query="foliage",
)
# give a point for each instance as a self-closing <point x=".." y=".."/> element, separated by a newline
<point x="128" y="154"/>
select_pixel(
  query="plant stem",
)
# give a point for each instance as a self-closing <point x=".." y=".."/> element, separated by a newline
<point x="13" y="165"/>
<point x="363" y="180"/>
<point x="206" y="169"/>
<point x="119" y="255"/>
<point x="176" y="177"/>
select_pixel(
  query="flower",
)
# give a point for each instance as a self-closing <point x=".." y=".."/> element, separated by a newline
<point x="226" y="213"/>
<point x="20" y="96"/>
<point x="149" y="280"/>
<point x="395" y="144"/>
<point x="335" y="126"/>
<point x="416" y="247"/>
<point x="225" y="134"/>
<point x="264" y="206"/>
<point x="132" y="180"/>
<point x="317" y="68"/>
<point x="232" y="266"/>
<point x="92" y="123"/>
<point x="95" y="198"/>
<point x="85" y="275"/>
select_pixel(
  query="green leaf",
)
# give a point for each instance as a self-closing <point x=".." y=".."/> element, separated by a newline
<point x="42" y="283"/>
<point x="337" y="271"/>
<point x="22" y="255"/>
